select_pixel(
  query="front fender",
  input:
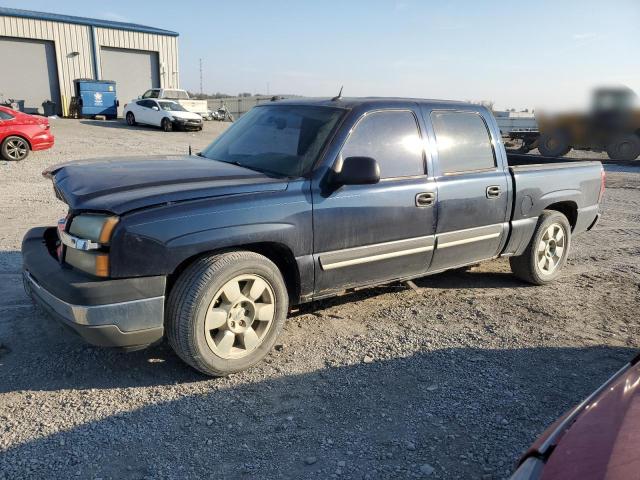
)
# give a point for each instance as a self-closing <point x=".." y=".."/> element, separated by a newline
<point x="157" y="241"/>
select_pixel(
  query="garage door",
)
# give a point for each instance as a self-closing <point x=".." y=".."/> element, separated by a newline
<point x="28" y="72"/>
<point x="134" y="72"/>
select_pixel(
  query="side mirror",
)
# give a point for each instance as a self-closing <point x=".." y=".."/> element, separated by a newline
<point x="358" y="171"/>
<point x="155" y="108"/>
<point x="139" y="97"/>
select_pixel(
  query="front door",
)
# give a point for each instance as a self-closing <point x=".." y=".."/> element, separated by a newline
<point x="365" y="234"/>
<point x="472" y="190"/>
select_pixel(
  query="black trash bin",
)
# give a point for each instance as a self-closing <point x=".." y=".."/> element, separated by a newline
<point x="49" y="108"/>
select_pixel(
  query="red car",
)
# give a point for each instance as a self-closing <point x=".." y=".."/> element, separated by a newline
<point x="21" y="133"/>
<point x="598" y="439"/>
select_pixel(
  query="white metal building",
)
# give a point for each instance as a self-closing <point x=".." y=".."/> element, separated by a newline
<point x="41" y="54"/>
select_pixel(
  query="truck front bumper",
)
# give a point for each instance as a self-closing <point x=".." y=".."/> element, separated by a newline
<point x="105" y="312"/>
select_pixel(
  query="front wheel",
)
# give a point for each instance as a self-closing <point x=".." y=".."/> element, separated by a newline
<point x="226" y="311"/>
<point x="131" y="119"/>
<point x="554" y="144"/>
<point x="14" y="148"/>
<point x="547" y="251"/>
<point x="167" y="125"/>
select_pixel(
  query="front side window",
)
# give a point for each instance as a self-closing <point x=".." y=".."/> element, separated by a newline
<point x="463" y="141"/>
<point x="150" y="94"/>
<point x="283" y="140"/>
<point x="391" y="138"/>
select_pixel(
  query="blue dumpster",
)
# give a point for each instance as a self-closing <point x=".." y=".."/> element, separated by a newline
<point x="96" y="97"/>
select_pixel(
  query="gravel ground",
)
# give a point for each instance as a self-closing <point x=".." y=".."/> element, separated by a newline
<point x="454" y="381"/>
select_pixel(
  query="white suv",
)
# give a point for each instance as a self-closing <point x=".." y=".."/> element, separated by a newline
<point x="167" y="114"/>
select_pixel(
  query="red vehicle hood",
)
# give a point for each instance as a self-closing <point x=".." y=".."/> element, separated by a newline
<point x="600" y="439"/>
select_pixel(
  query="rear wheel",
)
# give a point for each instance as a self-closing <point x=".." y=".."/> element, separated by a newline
<point x="547" y="251"/>
<point x="625" y="147"/>
<point x="14" y="148"/>
<point x="167" y="125"/>
<point x="226" y="311"/>
<point x="554" y="144"/>
<point x="131" y="119"/>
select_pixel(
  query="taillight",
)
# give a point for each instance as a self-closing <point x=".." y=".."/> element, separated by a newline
<point x="603" y="177"/>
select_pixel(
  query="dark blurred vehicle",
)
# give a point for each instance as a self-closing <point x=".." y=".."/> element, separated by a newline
<point x="598" y="439"/>
<point x="21" y="133"/>
<point x="612" y="125"/>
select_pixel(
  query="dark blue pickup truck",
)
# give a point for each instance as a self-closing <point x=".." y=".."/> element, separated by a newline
<point x="298" y="200"/>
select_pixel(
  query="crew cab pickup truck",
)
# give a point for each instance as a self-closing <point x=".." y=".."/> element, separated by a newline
<point x="297" y="201"/>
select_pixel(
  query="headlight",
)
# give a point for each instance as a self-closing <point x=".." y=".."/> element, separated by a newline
<point x="98" y="228"/>
<point x="87" y="242"/>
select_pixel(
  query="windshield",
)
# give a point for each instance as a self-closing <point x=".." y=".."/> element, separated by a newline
<point x="280" y="139"/>
<point x="172" y="107"/>
<point x="176" y="94"/>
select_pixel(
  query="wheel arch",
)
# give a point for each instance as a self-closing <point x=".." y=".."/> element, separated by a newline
<point x="280" y="254"/>
<point x="20" y="135"/>
<point x="568" y="208"/>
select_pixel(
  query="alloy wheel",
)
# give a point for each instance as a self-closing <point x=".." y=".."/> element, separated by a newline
<point x="239" y="316"/>
<point x="17" y="149"/>
<point x="551" y="248"/>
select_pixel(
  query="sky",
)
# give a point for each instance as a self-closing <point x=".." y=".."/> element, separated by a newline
<point x="516" y="54"/>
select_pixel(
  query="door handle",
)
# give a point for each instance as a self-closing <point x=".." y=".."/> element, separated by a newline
<point x="425" y="199"/>
<point x="493" y="191"/>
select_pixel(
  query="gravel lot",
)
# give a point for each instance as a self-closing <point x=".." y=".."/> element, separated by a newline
<point x="454" y="381"/>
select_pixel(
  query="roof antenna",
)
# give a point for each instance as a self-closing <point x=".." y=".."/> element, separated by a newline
<point x="339" y="95"/>
<point x="189" y="149"/>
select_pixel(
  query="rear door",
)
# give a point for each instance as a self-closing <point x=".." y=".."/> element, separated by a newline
<point x="372" y="233"/>
<point x="472" y="189"/>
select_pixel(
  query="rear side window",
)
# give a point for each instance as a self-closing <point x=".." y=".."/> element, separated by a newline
<point x="463" y="141"/>
<point x="390" y="137"/>
<point x="5" y="116"/>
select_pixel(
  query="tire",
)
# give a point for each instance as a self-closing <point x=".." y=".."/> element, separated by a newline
<point x="554" y="144"/>
<point x="14" y="148"/>
<point x="529" y="266"/>
<point x="166" y="125"/>
<point x="625" y="147"/>
<point x="204" y="323"/>
<point x="131" y="119"/>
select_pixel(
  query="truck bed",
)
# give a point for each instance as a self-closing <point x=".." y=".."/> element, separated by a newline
<point x="523" y="161"/>
<point x="574" y="184"/>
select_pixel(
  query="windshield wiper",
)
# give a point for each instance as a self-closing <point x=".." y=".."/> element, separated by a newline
<point x="256" y="169"/>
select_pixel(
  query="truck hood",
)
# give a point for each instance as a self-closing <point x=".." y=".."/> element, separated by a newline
<point x="121" y="185"/>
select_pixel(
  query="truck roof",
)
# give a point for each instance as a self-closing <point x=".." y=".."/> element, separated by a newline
<point x="352" y="102"/>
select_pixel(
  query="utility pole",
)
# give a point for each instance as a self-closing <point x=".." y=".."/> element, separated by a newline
<point x="201" y="77"/>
